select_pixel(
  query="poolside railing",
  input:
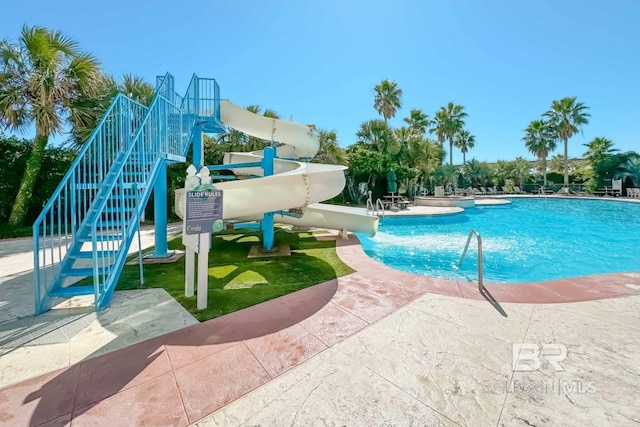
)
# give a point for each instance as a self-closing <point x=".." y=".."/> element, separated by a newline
<point x="466" y="247"/>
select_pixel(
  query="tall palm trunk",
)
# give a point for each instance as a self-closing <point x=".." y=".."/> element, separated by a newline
<point x="566" y="162"/>
<point x="464" y="158"/>
<point x="450" y="151"/>
<point x="31" y="172"/>
<point x="544" y="170"/>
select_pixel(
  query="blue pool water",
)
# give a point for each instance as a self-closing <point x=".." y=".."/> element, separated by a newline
<point x="528" y="240"/>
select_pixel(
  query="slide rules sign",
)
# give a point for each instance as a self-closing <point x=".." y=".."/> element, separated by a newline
<point x="204" y="211"/>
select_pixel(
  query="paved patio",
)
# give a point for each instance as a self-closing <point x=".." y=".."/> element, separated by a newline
<point x="377" y="347"/>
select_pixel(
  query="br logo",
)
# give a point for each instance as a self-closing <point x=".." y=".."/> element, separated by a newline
<point x="527" y="357"/>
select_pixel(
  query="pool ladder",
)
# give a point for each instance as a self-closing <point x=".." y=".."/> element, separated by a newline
<point x="374" y="209"/>
<point x="542" y="192"/>
<point x="471" y="234"/>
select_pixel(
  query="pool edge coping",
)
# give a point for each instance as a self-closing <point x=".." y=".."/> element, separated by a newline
<point x="576" y="289"/>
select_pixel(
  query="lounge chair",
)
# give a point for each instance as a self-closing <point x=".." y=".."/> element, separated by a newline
<point x="517" y="190"/>
<point x="481" y="191"/>
<point x="506" y="191"/>
<point x="491" y="190"/>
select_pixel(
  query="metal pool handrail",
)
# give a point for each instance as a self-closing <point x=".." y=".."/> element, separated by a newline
<point x="379" y="203"/>
<point x="374" y="209"/>
<point x="466" y="246"/>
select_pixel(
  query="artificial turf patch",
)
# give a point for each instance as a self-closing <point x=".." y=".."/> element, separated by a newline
<point x="236" y="282"/>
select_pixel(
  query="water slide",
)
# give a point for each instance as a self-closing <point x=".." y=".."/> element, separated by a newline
<point x="296" y="186"/>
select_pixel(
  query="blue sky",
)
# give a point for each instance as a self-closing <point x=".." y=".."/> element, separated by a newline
<point x="505" y="61"/>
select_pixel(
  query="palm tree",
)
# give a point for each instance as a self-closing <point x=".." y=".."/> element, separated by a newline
<point x="41" y="77"/>
<point x="137" y="88"/>
<point x="418" y="122"/>
<point x="556" y="164"/>
<point x="603" y="159"/>
<point x="330" y="152"/>
<point x="426" y="156"/>
<point x="567" y="116"/>
<point x="388" y="99"/>
<point x="630" y="167"/>
<point x="453" y="116"/>
<point x="439" y="126"/>
<point x="477" y="173"/>
<point x="447" y="175"/>
<point x="93" y="106"/>
<point x="540" y="140"/>
<point x="501" y="171"/>
<point x="464" y="141"/>
<point x="520" y="169"/>
<point x="599" y="149"/>
<point x="402" y="141"/>
<point x="376" y="133"/>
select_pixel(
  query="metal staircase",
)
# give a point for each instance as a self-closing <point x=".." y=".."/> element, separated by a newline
<point x="86" y="228"/>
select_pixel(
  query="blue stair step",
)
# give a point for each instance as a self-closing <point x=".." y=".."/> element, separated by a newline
<point x="81" y="272"/>
<point x="89" y="254"/>
<point x="101" y="238"/>
<point x="108" y="223"/>
<point x="72" y="291"/>
<point x="116" y="209"/>
<point x="139" y="185"/>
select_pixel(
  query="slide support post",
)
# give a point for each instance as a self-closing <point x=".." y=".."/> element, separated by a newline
<point x="267" y="219"/>
<point x="160" y="212"/>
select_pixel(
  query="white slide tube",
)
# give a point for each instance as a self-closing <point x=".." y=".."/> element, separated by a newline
<point x="295" y="185"/>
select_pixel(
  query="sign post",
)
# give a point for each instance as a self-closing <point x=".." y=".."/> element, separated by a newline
<point x="203" y="215"/>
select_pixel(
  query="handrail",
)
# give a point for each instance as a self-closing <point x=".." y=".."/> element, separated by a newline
<point x="370" y="203"/>
<point x="379" y="203"/>
<point x="466" y="246"/>
<point x="542" y="192"/>
<point x="374" y="209"/>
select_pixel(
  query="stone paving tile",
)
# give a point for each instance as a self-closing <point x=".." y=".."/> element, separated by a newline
<point x="282" y="350"/>
<point x="507" y="322"/>
<point x="439" y="286"/>
<point x="532" y="293"/>
<point x="199" y="341"/>
<point x="156" y="402"/>
<point x="337" y="386"/>
<point x="25" y="363"/>
<point x="607" y="310"/>
<point x="111" y="373"/>
<point x="367" y="305"/>
<point x="210" y="383"/>
<point x="575" y="397"/>
<point x="332" y="324"/>
<point x="606" y="348"/>
<point x="240" y="410"/>
<point x="38" y="400"/>
<point x="300" y="305"/>
<point x="437" y="362"/>
<point x="398" y="293"/>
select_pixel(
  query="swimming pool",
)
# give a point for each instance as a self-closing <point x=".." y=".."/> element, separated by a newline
<point x="529" y="240"/>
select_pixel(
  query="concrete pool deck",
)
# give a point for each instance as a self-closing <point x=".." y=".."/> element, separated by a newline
<point x="376" y="347"/>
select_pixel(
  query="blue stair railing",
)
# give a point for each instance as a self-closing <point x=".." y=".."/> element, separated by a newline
<point x="87" y="227"/>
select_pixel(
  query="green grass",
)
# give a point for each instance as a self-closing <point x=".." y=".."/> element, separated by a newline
<point x="236" y="282"/>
